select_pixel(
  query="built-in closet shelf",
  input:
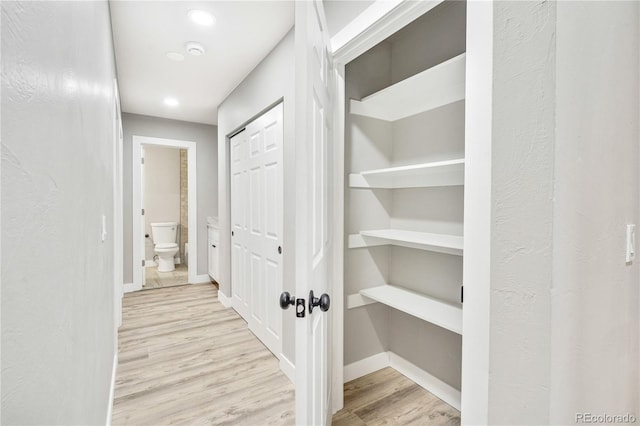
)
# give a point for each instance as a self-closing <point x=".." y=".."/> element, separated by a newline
<point x="438" y="86"/>
<point x="442" y="243"/>
<point x="441" y="173"/>
<point x="424" y="307"/>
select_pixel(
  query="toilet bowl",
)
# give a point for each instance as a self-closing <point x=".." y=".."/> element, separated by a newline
<point x="166" y="253"/>
<point x="164" y="238"/>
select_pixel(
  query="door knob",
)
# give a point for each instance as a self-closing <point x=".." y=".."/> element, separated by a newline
<point x="323" y="302"/>
<point x="286" y="300"/>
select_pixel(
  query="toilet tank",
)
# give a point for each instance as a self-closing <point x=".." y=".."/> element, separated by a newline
<point x="164" y="232"/>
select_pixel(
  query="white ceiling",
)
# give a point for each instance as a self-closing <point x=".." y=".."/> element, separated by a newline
<point x="144" y="31"/>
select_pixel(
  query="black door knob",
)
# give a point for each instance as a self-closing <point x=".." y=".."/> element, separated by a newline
<point x="323" y="302"/>
<point x="286" y="300"/>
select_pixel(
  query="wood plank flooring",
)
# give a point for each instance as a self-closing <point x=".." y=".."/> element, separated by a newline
<point x="386" y="397"/>
<point x="185" y="359"/>
<point x="155" y="279"/>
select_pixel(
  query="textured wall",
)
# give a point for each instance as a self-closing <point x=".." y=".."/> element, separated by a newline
<point x="595" y="310"/>
<point x="564" y="305"/>
<point x="57" y="182"/>
<point x="522" y="209"/>
<point x="206" y="138"/>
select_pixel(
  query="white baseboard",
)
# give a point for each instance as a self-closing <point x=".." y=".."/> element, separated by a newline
<point x="442" y="390"/>
<point x="376" y="362"/>
<point x="202" y="279"/>
<point x="129" y="287"/>
<point x="226" y="301"/>
<point x="112" y="389"/>
<point x="365" y="366"/>
<point x="288" y="368"/>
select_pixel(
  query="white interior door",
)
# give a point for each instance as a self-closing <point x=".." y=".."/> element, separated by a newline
<point x="239" y="227"/>
<point x="141" y="237"/>
<point x="256" y="217"/>
<point x="314" y="87"/>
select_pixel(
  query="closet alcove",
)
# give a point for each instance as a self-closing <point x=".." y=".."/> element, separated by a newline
<point x="404" y="203"/>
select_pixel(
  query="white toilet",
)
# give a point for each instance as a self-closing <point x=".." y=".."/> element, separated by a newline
<point x="164" y="240"/>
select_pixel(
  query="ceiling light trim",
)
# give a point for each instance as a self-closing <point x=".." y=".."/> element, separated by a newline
<point x="171" y="102"/>
<point x="194" y="48"/>
<point x="201" y="17"/>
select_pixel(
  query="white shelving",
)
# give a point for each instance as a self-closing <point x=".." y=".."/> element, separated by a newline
<point x="437" y="86"/>
<point x="441" y="173"/>
<point x="441" y="243"/>
<point x="424" y="307"/>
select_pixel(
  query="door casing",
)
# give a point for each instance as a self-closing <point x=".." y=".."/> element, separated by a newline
<point x="374" y="25"/>
<point x="138" y="220"/>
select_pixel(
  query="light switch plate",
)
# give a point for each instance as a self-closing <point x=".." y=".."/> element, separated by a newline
<point x="631" y="243"/>
<point x="104" y="228"/>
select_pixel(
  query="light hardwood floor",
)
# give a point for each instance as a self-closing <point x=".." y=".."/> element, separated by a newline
<point x="155" y="279"/>
<point x="386" y="397"/>
<point x="185" y="359"/>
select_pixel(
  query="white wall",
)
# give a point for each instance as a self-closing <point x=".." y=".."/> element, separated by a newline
<point x="270" y="81"/>
<point x="564" y="305"/>
<point x="57" y="181"/>
<point x="161" y="189"/>
<point x="340" y="12"/>
<point x="206" y="138"/>
<point x="522" y="213"/>
<point x="595" y="310"/>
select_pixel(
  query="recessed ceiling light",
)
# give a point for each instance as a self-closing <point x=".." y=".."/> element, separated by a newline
<point x="194" y="48"/>
<point x="175" y="56"/>
<point x="201" y="17"/>
<point x="172" y="102"/>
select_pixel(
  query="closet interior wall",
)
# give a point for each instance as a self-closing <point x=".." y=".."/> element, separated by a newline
<point x="370" y="144"/>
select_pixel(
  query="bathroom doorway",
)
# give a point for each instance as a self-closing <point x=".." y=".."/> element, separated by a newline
<point x="164" y="213"/>
<point x="165" y="195"/>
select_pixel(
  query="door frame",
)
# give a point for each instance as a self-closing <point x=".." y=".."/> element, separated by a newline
<point x="137" y="218"/>
<point x="372" y="26"/>
<point x="118" y="213"/>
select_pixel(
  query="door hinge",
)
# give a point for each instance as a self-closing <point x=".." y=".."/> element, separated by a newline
<point x="142" y="160"/>
<point x="143" y="262"/>
<point x="142" y="212"/>
<point x="461" y="294"/>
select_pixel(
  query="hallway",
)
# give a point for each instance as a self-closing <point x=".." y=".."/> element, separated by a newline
<point x="185" y="359"/>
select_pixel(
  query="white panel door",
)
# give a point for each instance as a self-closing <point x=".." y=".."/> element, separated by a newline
<point x="141" y="238"/>
<point x="256" y="216"/>
<point x="314" y="86"/>
<point x="239" y="209"/>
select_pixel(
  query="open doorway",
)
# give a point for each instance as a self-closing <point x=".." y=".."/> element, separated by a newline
<point x="165" y="194"/>
<point x="164" y="212"/>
